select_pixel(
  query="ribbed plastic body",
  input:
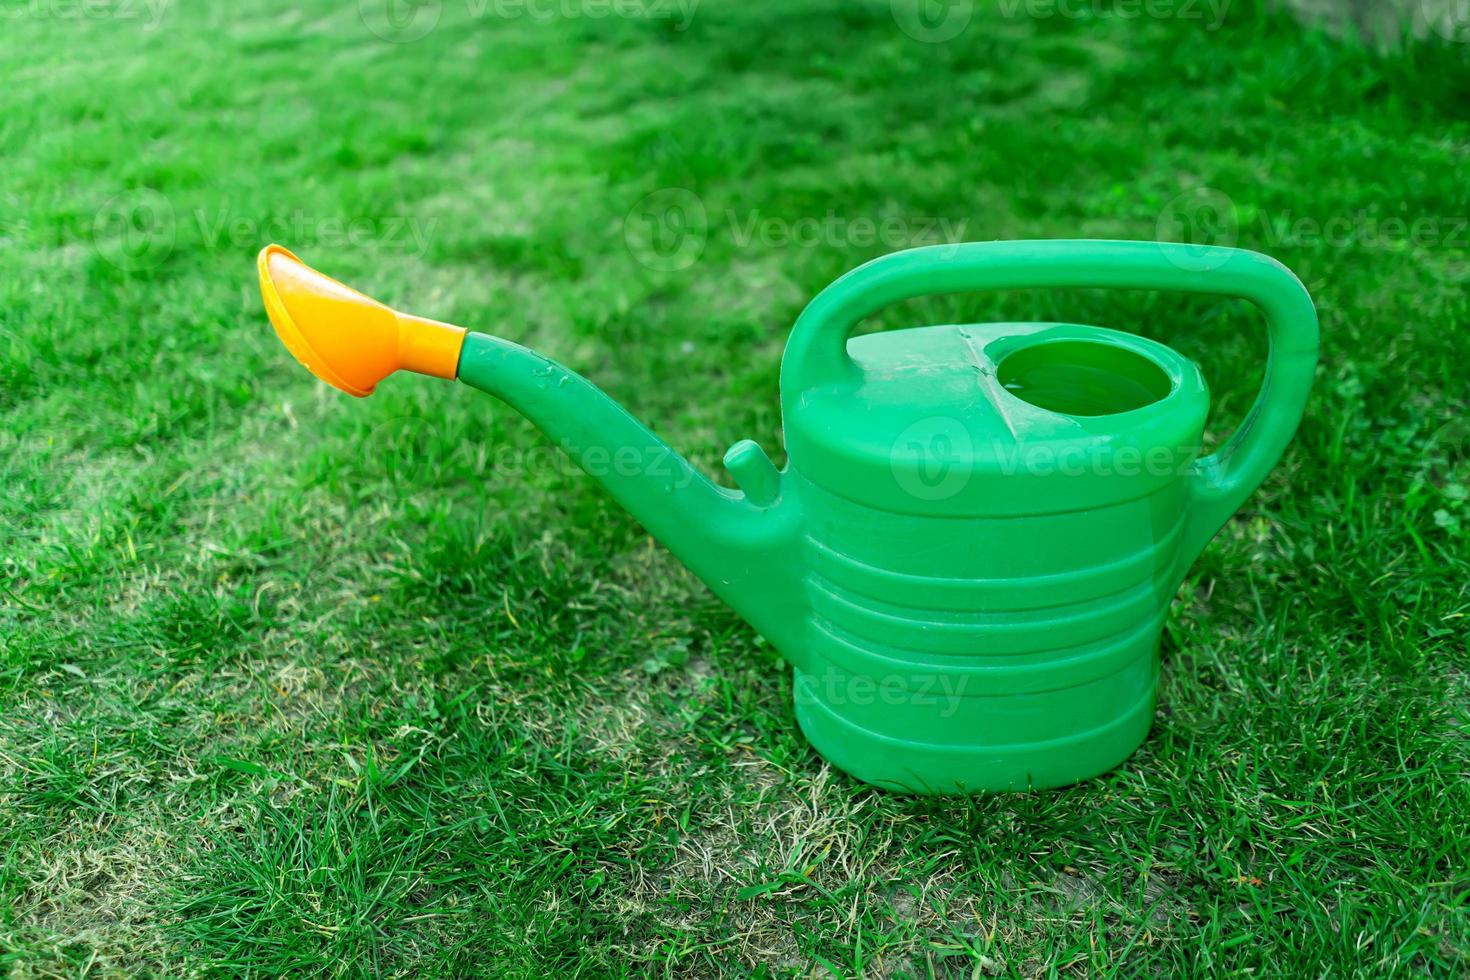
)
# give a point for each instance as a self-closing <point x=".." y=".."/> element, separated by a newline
<point x="989" y="551"/>
<point x="978" y="656"/>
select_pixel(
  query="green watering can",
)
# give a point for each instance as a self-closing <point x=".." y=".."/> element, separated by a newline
<point x="969" y="558"/>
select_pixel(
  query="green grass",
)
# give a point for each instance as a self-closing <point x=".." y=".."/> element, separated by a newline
<point x="291" y="683"/>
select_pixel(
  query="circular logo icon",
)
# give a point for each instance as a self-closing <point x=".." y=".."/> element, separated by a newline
<point x="1452" y="442"/>
<point x="136" y="230"/>
<point x="1199" y="219"/>
<point x="667" y="230"/>
<point x="406" y="450"/>
<point x="930" y="459"/>
<point x="1450" y="19"/>
<point x="399" y="21"/>
<point x="933" y="21"/>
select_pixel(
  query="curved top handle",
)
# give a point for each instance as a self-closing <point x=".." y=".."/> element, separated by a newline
<point x="817" y="352"/>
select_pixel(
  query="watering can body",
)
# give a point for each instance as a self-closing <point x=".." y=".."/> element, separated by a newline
<point x="971" y="552"/>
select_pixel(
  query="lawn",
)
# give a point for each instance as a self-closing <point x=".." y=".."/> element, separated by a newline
<point x="294" y="683"/>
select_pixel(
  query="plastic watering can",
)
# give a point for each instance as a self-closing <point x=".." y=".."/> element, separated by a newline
<point x="969" y="557"/>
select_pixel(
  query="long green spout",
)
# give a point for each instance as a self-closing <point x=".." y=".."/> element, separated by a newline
<point x="742" y="544"/>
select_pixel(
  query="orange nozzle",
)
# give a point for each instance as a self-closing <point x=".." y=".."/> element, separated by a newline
<point x="349" y="340"/>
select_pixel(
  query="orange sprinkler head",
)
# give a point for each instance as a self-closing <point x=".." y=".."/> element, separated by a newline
<point x="346" y="339"/>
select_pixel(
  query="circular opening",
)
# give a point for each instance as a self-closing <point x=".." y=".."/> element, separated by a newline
<point x="1077" y="377"/>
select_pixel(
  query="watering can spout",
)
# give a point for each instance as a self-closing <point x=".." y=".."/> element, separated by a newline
<point x="741" y="543"/>
<point x="346" y="339"/>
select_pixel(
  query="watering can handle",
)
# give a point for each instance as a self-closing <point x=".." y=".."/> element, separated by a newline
<point x="1220" y="483"/>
